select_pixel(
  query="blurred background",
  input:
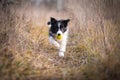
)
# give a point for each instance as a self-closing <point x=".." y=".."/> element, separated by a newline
<point x="93" y="50"/>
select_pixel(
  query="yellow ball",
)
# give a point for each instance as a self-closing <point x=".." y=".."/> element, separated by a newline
<point x="59" y="37"/>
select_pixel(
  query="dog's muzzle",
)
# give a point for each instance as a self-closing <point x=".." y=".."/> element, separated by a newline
<point x="58" y="36"/>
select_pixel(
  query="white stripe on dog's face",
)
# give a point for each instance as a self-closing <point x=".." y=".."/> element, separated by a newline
<point x="59" y="24"/>
<point x="59" y="30"/>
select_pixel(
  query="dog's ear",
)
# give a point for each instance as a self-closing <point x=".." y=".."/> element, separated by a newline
<point x="53" y="20"/>
<point x="65" y="22"/>
<point x="49" y="23"/>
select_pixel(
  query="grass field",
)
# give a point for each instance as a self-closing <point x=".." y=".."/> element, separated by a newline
<point x="93" y="50"/>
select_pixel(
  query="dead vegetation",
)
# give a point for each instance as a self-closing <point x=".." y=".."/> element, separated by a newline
<point x="92" y="52"/>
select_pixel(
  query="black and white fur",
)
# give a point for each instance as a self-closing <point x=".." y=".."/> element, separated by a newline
<point x="58" y="27"/>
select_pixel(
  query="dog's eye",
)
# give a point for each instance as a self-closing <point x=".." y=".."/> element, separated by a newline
<point x="62" y="28"/>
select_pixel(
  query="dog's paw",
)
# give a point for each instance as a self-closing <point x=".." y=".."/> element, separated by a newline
<point x="61" y="54"/>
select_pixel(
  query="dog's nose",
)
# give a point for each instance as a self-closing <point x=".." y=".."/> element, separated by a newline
<point x="59" y="34"/>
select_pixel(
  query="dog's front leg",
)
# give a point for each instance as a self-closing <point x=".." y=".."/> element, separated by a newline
<point x="56" y="44"/>
<point x="63" y="47"/>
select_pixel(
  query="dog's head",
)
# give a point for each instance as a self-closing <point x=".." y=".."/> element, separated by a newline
<point x="58" y="27"/>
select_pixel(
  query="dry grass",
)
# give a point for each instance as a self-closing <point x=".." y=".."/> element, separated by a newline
<point x="25" y="52"/>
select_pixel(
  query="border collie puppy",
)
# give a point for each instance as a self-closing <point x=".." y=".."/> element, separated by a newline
<point x="58" y="34"/>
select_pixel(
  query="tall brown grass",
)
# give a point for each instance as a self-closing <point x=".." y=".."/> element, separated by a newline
<point x="92" y="51"/>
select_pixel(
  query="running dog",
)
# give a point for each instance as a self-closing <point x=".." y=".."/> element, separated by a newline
<point x="58" y="34"/>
